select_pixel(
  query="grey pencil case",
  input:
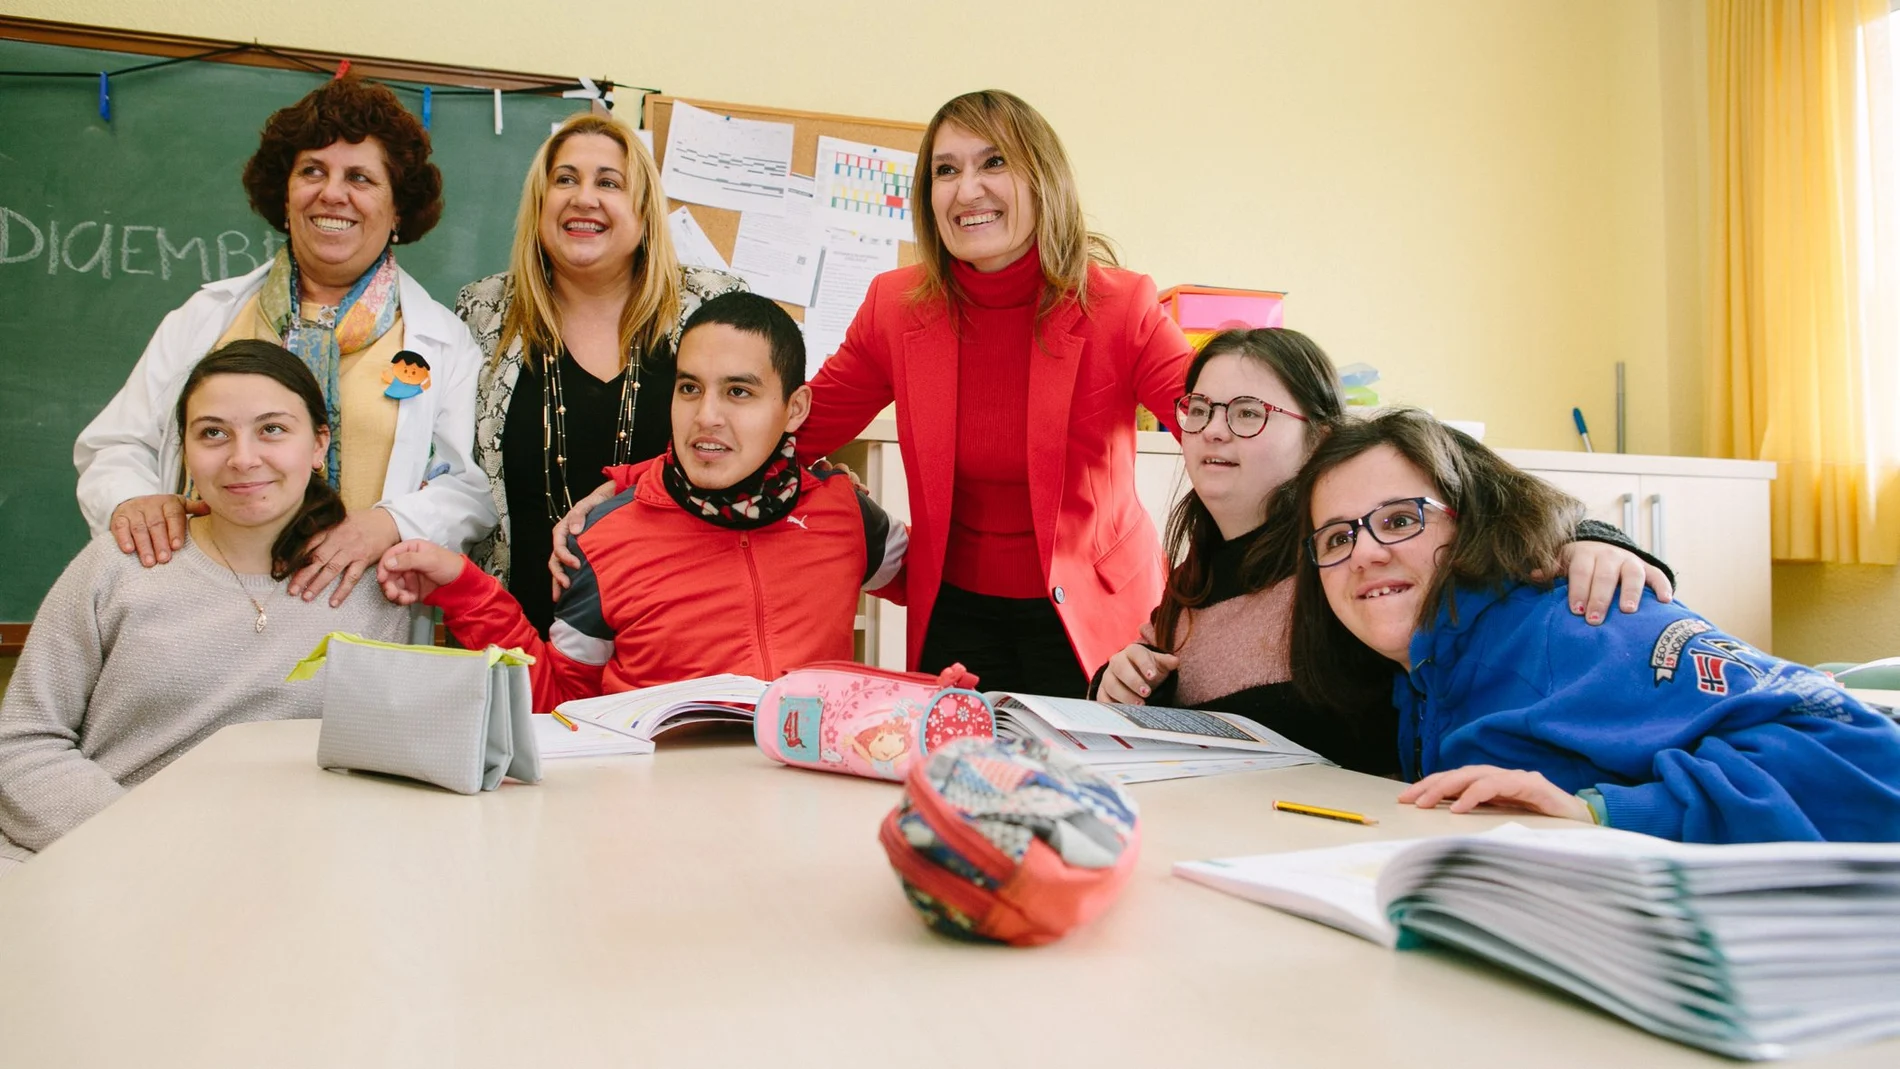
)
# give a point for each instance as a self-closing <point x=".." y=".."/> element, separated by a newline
<point x="454" y="718"/>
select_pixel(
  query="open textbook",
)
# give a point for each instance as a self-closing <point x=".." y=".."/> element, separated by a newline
<point x="1754" y="951"/>
<point x="1140" y="743"/>
<point x="628" y="722"/>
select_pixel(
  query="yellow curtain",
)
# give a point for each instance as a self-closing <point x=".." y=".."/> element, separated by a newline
<point x="1802" y="324"/>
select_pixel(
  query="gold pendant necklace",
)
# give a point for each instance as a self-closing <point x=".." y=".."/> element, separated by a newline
<point x="226" y="560"/>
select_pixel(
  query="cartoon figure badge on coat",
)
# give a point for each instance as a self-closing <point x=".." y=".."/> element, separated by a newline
<point x="406" y="376"/>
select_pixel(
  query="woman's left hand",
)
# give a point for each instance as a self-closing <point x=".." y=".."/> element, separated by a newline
<point x="343" y="553"/>
<point x="1597" y="570"/>
<point x="1475" y="785"/>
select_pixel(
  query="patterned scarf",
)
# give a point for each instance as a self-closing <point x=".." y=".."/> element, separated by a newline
<point x="366" y="314"/>
<point x="766" y="496"/>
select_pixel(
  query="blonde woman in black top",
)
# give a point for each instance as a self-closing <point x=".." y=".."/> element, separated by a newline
<point x="579" y="334"/>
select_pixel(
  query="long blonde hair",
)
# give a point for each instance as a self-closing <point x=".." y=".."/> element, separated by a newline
<point x="1030" y="146"/>
<point x="654" y="307"/>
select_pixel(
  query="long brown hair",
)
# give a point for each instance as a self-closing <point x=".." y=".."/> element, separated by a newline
<point x="1510" y="528"/>
<point x="322" y="509"/>
<point x="1029" y="146"/>
<point x="1192" y="537"/>
<point x="654" y="308"/>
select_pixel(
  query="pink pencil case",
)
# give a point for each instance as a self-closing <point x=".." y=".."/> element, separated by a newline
<point x="841" y="716"/>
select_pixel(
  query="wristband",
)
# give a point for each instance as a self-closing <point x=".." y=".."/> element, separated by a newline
<point x="1593" y="798"/>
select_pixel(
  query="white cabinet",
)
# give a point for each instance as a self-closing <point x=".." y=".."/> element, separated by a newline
<point x="1160" y="480"/>
<point x="1708" y="519"/>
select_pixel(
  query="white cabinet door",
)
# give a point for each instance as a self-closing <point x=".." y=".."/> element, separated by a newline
<point x="1606" y="496"/>
<point x="1714" y="534"/>
<point x="1160" y="480"/>
<point x="885" y="623"/>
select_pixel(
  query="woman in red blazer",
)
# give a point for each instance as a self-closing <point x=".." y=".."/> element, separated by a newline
<point x="1015" y="352"/>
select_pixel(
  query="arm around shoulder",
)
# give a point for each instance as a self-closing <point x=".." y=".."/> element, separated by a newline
<point x="1162" y="352"/>
<point x="1610" y="534"/>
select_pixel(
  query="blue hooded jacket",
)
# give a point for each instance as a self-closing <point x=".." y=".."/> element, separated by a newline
<point x="1687" y="732"/>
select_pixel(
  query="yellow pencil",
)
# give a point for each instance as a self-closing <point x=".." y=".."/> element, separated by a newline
<point x="1322" y="811"/>
<point x="566" y="723"/>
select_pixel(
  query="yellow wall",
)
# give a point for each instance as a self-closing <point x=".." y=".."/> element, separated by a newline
<point x="1836" y="612"/>
<point x="1490" y="200"/>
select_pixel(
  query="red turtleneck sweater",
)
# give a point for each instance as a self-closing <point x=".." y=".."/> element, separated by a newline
<point x="992" y="547"/>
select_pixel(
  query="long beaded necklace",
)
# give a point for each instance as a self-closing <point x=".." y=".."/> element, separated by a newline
<point x="554" y="429"/>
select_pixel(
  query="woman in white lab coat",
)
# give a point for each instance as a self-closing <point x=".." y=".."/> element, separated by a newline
<point x="345" y="174"/>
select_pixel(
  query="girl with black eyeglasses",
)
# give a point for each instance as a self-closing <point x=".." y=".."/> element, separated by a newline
<point x="1421" y="559"/>
<point x="1257" y="403"/>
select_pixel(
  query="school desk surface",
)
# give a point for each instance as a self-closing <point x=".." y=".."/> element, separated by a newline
<point x="702" y="906"/>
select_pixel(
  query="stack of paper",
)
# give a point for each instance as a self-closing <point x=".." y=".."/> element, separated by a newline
<point x="1755" y="951"/>
<point x="1138" y="743"/>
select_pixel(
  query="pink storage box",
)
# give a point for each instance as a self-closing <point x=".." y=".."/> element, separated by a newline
<point x="1208" y="308"/>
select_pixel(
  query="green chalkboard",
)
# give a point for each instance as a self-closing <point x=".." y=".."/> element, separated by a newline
<point x="107" y="226"/>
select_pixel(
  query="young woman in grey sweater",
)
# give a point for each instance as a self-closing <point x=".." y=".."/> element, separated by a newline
<point x="128" y="667"/>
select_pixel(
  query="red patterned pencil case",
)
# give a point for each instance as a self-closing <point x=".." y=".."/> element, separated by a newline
<point x="1005" y="841"/>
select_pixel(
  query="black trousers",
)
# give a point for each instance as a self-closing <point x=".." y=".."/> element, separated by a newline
<point x="1016" y="644"/>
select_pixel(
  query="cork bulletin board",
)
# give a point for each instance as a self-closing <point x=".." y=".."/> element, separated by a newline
<point x="722" y="225"/>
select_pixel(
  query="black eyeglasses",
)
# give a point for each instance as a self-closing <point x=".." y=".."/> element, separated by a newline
<point x="1246" y="416"/>
<point x="1389" y="524"/>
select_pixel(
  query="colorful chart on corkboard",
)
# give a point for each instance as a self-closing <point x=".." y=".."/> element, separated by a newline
<point x="864" y="187"/>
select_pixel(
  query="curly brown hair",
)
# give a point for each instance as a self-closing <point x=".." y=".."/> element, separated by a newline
<point x="349" y="109"/>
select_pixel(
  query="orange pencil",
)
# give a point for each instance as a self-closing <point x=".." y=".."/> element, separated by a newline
<point x="566" y="723"/>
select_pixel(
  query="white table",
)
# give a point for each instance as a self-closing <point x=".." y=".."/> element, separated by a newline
<point x="700" y="907"/>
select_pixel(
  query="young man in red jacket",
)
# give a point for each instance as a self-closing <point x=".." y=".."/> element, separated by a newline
<point x="723" y="555"/>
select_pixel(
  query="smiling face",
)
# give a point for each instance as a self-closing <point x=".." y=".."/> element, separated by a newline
<point x="589" y="218"/>
<point x="887" y="742"/>
<point x="1234" y="476"/>
<point x="413" y="374"/>
<point x="985" y="212"/>
<point x="340" y="211"/>
<point x="729" y="405"/>
<point x="1377" y="591"/>
<point x="250" y="448"/>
